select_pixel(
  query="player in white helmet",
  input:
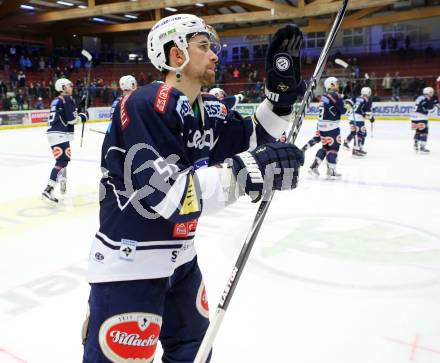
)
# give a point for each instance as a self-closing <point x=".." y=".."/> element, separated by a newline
<point x="165" y="163"/>
<point x="425" y="104"/>
<point x="63" y="116"/>
<point x="127" y="84"/>
<point x="230" y="101"/>
<point x="331" y="108"/>
<point x="362" y="110"/>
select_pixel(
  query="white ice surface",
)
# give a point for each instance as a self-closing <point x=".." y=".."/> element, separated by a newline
<point x="343" y="271"/>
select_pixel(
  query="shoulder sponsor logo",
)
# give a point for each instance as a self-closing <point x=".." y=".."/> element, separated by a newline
<point x="215" y="109"/>
<point x="183" y="108"/>
<point x="130" y="337"/>
<point x="162" y="98"/>
<point x="125" y="119"/>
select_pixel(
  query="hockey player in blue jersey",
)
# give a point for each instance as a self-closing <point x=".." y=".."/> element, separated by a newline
<point x="362" y="110"/>
<point x="425" y="103"/>
<point x="331" y="108"/>
<point x="230" y="101"/>
<point x="127" y="84"/>
<point x="174" y="154"/>
<point x="62" y="118"/>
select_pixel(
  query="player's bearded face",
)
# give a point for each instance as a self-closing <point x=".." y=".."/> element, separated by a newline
<point x="202" y="60"/>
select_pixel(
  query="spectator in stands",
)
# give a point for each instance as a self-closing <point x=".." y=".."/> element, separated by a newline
<point x="28" y="63"/>
<point x="39" y="105"/>
<point x="149" y="77"/>
<point x="21" y="77"/>
<point x="437" y="85"/>
<point x="383" y="45"/>
<point x="13" y="79"/>
<point x="77" y="65"/>
<point x="20" y="99"/>
<point x="142" y="79"/>
<point x="3" y="89"/>
<point x="236" y="74"/>
<point x="386" y="82"/>
<point x="7" y="104"/>
<point x="6" y="63"/>
<point x="347" y="90"/>
<point x="41" y="64"/>
<point x="22" y="63"/>
<point x="396" y="84"/>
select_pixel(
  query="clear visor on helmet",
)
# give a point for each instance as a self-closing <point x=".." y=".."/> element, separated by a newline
<point x="212" y="43"/>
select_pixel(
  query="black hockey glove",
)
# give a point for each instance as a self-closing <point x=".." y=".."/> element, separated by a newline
<point x="273" y="166"/>
<point x="283" y="69"/>
<point x="372" y="119"/>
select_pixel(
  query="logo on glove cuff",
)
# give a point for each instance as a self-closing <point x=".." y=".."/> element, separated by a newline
<point x="282" y="63"/>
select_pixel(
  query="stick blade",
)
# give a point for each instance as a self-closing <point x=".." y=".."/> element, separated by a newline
<point x="341" y="63"/>
<point x="86" y="54"/>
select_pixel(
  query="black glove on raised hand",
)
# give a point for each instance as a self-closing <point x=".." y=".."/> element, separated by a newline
<point x="283" y="69"/>
<point x="273" y="166"/>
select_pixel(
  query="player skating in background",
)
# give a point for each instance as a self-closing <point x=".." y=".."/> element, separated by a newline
<point x="63" y="116"/>
<point x="362" y="110"/>
<point x="164" y="165"/>
<point x="230" y="101"/>
<point x="331" y="107"/>
<point x="425" y="103"/>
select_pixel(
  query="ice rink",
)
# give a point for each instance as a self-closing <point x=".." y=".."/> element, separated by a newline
<point x="343" y="271"/>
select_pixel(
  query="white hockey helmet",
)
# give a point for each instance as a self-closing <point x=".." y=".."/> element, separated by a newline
<point x="175" y="28"/>
<point x="61" y="83"/>
<point x="428" y="91"/>
<point x="366" y="91"/>
<point x="330" y="83"/>
<point x="128" y="83"/>
<point x="217" y="92"/>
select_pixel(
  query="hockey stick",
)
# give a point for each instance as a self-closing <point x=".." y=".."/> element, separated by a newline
<point x="98" y="131"/>
<point x="228" y="292"/>
<point x="86" y="54"/>
<point x="341" y="63"/>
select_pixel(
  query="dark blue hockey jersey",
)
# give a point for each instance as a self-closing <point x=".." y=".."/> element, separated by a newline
<point x="154" y="163"/>
<point x="331" y="107"/>
<point x="362" y="108"/>
<point x="424" y="105"/>
<point x="62" y="118"/>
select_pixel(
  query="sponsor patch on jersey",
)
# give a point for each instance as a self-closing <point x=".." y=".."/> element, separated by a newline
<point x="190" y="203"/>
<point x="327" y="140"/>
<point x="162" y="98"/>
<point x="125" y="119"/>
<point x="68" y="152"/>
<point x="215" y="109"/>
<point x="183" y="108"/>
<point x="130" y="337"/>
<point x="127" y="250"/>
<point x="185" y="230"/>
<point x="202" y="301"/>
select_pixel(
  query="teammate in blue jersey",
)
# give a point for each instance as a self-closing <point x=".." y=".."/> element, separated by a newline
<point x="63" y="116"/>
<point x="174" y="154"/>
<point x="362" y="110"/>
<point x="331" y="108"/>
<point x="230" y="101"/>
<point x="425" y="103"/>
<point x="127" y="84"/>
